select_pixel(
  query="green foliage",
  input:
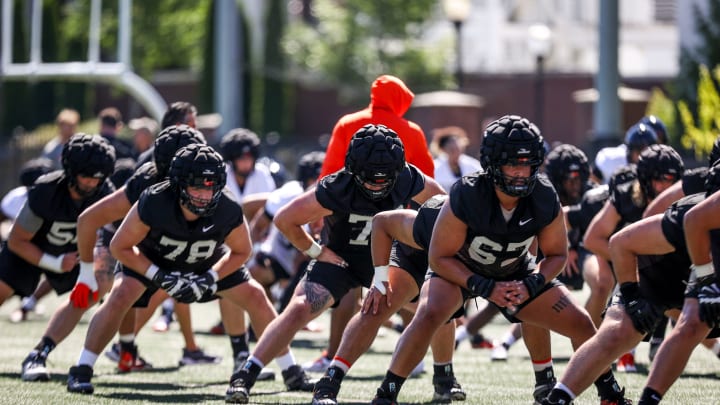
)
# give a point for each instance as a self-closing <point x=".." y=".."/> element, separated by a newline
<point x="165" y="34"/>
<point x="699" y="136"/>
<point x="663" y="107"/>
<point x="355" y="41"/>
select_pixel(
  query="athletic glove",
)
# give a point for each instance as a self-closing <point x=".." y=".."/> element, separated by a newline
<point x="86" y="287"/>
<point x="480" y="286"/>
<point x="643" y="313"/>
<point x="200" y="284"/>
<point x="172" y="282"/>
<point x="709" y="301"/>
<point x="534" y="283"/>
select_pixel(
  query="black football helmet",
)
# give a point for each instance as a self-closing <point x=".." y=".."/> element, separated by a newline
<point x="657" y="125"/>
<point x="512" y="140"/>
<point x="658" y="162"/>
<point x="714" y="152"/>
<point x="238" y="142"/>
<point x="198" y="166"/>
<point x="375" y="158"/>
<point x="712" y="181"/>
<point x="169" y="140"/>
<point x="87" y="156"/>
<point x="639" y="137"/>
<point x="34" y="168"/>
<point x="566" y="162"/>
<point x="309" y="166"/>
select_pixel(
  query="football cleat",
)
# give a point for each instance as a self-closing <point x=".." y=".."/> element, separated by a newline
<point x="626" y="363"/>
<point x="326" y="390"/>
<point x="79" y="380"/>
<point x="33" y="367"/>
<point x="296" y="379"/>
<point x="447" y="389"/>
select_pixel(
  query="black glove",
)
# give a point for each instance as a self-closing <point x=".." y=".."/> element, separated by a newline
<point x="174" y="284"/>
<point x="643" y="313"/>
<point x="480" y="286"/>
<point x="709" y="301"/>
<point x="534" y="283"/>
<point x="199" y="284"/>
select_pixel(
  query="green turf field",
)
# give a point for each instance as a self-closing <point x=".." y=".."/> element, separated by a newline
<point x="484" y="381"/>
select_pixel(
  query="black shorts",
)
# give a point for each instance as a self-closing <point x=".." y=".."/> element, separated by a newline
<point x="24" y="277"/>
<point x="339" y="280"/>
<point x="234" y="279"/>
<point x="509" y="315"/>
<point x="268" y="261"/>
<point x="413" y="261"/>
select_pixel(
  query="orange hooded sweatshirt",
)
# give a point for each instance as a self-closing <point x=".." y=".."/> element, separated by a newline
<point x="390" y="98"/>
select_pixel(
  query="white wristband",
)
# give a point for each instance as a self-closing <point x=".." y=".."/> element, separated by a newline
<point x="214" y="274"/>
<point x="52" y="263"/>
<point x="381" y="275"/>
<point x="314" y="250"/>
<point x="151" y="271"/>
<point x="703" y="270"/>
<point x="87" y="275"/>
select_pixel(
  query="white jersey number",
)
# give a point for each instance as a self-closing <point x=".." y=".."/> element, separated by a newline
<point x="485" y="251"/>
<point x="199" y="250"/>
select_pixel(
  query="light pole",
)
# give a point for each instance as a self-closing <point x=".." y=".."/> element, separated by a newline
<point x="539" y="45"/>
<point x="457" y="11"/>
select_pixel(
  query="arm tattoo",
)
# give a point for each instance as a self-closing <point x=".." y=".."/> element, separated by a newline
<point x="317" y="296"/>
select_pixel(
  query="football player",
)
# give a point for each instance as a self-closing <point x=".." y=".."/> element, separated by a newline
<point x="480" y="247"/>
<point x="375" y="179"/>
<point x="185" y="235"/>
<point x="43" y="238"/>
<point x="652" y="265"/>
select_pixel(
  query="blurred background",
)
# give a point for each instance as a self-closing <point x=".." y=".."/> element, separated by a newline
<point x="583" y="71"/>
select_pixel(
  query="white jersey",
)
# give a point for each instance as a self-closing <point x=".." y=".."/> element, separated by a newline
<point x="276" y="245"/>
<point x="610" y="159"/>
<point x="13" y="201"/>
<point x="444" y="174"/>
<point x="259" y="181"/>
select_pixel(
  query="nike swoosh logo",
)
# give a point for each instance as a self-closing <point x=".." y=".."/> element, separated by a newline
<point x="207" y="228"/>
<point x="521" y="223"/>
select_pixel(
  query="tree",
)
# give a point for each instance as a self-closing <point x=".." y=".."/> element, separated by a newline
<point x="354" y="41"/>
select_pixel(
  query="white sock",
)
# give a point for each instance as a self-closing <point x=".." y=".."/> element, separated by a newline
<point x="256" y="361"/>
<point x="128" y="338"/>
<point x="87" y="358"/>
<point x="28" y="303"/>
<point x="562" y="386"/>
<point x="509" y="340"/>
<point x="716" y="348"/>
<point x="286" y="360"/>
<point x="461" y="333"/>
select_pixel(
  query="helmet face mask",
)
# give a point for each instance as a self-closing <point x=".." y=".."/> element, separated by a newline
<point x="87" y="156"/>
<point x="375" y="188"/>
<point x="512" y="141"/>
<point x="375" y="158"/>
<point x="194" y="169"/>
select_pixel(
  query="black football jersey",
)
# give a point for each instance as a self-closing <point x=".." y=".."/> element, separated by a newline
<point x="425" y="220"/>
<point x="580" y="215"/>
<point x="348" y="227"/>
<point x="493" y="247"/>
<point x="50" y="200"/>
<point x="174" y="243"/>
<point x="693" y="180"/>
<point x="144" y="177"/>
<point x="621" y="199"/>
